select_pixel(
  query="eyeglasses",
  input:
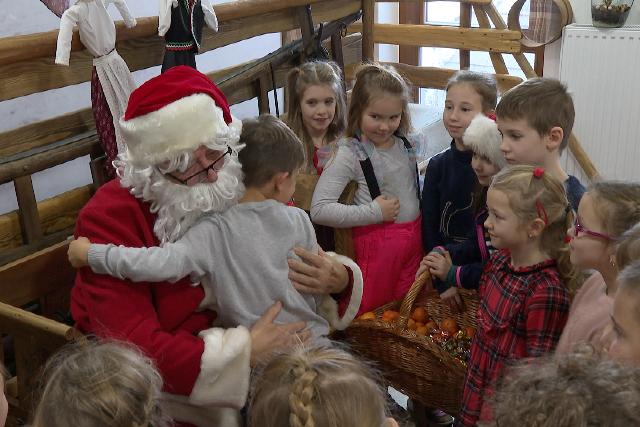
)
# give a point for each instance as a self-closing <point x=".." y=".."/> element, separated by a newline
<point x="578" y="228"/>
<point x="184" y="181"/>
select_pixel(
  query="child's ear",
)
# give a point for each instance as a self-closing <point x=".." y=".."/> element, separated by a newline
<point x="554" y="138"/>
<point x="536" y="227"/>
<point x="279" y="179"/>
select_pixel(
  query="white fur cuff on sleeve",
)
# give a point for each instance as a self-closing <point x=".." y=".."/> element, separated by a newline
<point x="224" y="368"/>
<point x="329" y="307"/>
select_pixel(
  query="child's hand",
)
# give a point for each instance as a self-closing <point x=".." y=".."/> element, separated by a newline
<point x="423" y="267"/>
<point x="390" y="207"/>
<point x="452" y="298"/>
<point x="78" y="252"/>
<point x="439" y="264"/>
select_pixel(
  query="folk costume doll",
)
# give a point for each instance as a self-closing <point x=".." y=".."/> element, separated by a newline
<point x="181" y="23"/>
<point x="111" y="80"/>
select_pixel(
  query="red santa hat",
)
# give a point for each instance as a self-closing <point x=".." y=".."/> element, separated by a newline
<point x="482" y="136"/>
<point x="176" y="112"/>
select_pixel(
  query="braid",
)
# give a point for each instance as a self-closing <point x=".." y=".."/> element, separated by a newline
<point x="301" y="397"/>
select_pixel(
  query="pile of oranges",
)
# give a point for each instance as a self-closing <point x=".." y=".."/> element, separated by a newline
<point x="447" y="334"/>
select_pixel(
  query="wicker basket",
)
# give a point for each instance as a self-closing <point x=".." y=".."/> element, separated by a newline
<point x="414" y="364"/>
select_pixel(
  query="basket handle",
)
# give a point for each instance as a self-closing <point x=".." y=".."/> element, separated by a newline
<point x="409" y="299"/>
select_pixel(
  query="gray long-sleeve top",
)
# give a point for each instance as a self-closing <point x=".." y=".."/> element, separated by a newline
<point x="396" y="179"/>
<point x="240" y="256"/>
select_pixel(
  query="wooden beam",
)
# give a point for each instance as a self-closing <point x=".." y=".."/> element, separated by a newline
<point x="39" y="45"/>
<point x="437" y="78"/>
<point x="411" y="13"/>
<point x="499" y="23"/>
<point x="27" y="209"/>
<point x="465" y="22"/>
<point x="366" y="28"/>
<point x="428" y="1"/>
<point x="496" y="58"/>
<point x="582" y="158"/>
<point x="56" y="214"/>
<point x="41" y="74"/>
<point x="489" y="40"/>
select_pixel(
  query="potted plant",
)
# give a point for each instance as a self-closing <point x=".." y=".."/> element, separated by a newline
<point x="610" y="13"/>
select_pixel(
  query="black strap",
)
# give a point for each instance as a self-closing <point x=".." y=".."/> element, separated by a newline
<point x="370" y="176"/>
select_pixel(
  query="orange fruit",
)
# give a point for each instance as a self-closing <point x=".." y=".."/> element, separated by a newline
<point x="390" y="315"/>
<point x="422" y="330"/>
<point x="411" y="324"/>
<point x="420" y="315"/>
<point x="470" y="331"/>
<point x="369" y="315"/>
<point x="431" y="325"/>
<point x="449" y="325"/>
<point x="419" y="324"/>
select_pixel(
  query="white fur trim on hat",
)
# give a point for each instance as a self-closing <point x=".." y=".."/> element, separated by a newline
<point x="181" y="126"/>
<point x="482" y="136"/>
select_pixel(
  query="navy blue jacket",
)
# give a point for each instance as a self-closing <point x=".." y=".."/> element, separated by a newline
<point x="448" y="199"/>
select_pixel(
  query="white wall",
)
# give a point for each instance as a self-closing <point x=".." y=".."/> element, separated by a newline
<point x="31" y="16"/>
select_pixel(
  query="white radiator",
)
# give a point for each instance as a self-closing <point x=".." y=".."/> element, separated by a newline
<point x="602" y="71"/>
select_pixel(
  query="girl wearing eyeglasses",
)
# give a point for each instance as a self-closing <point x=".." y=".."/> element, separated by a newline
<point x="605" y="212"/>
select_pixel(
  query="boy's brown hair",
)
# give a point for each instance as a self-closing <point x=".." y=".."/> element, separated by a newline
<point x="543" y="102"/>
<point x="629" y="247"/>
<point x="270" y="148"/>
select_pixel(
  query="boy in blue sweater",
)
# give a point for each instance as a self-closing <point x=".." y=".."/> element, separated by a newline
<point x="535" y="119"/>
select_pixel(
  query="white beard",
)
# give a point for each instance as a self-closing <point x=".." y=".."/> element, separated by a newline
<point x="177" y="206"/>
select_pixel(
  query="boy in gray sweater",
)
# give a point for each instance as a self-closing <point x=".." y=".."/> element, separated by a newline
<point x="239" y="255"/>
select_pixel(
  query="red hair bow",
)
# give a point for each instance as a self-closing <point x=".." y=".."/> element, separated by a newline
<point x="538" y="172"/>
<point x="491" y="116"/>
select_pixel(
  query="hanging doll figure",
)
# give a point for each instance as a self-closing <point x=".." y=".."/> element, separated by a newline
<point x="181" y="23"/>
<point x="111" y="80"/>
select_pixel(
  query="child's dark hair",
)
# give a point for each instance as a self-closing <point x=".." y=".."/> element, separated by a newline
<point x="628" y="249"/>
<point x="543" y="102"/>
<point x="532" y="196"/>
<point x="371" y="81"/>
<point x="579" y="389"/>
<point x="484" y="84"/>
<point x="270" y="148"/>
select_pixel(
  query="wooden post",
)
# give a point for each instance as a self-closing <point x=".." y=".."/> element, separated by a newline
<point x="368" y="17"/>
<point x="411" y="13"/>
<point x="27" y="209"/>
<point x="496" y="58"/>
<point x="263" y="84"/>
<point x="465" y="22"/>
<point x="305" y="21"/>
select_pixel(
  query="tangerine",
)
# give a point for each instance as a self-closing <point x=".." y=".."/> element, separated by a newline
<point x="369" y="315"/>
<point x="420" y="315"/>
<point x="470" y="331"/>
<point x="449" y="325"/>
<point x="390" y="315"/>
<point x="422" y="330"/>
<point x="411" y="324"/>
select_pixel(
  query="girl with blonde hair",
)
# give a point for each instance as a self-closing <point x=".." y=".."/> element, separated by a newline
<point x="385" y="214"/>
<point x="100" y="384"/>
<point x="316" y="110"/>
<point x="524" y="297"/>
<point x="317" y="387"/>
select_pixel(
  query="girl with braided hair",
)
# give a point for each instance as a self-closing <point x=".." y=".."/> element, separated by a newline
<point x="317" y="387"/>
<point x="524" y="297"/>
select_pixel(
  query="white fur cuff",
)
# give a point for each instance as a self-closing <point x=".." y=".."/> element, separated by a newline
<point x="224" y="368"/>
<point x="329" y="307"/>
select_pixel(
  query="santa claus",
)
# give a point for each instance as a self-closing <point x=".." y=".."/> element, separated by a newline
<point x="181" y="162"/>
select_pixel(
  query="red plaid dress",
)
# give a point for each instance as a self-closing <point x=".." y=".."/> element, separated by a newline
<point x="522" y="313"/>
